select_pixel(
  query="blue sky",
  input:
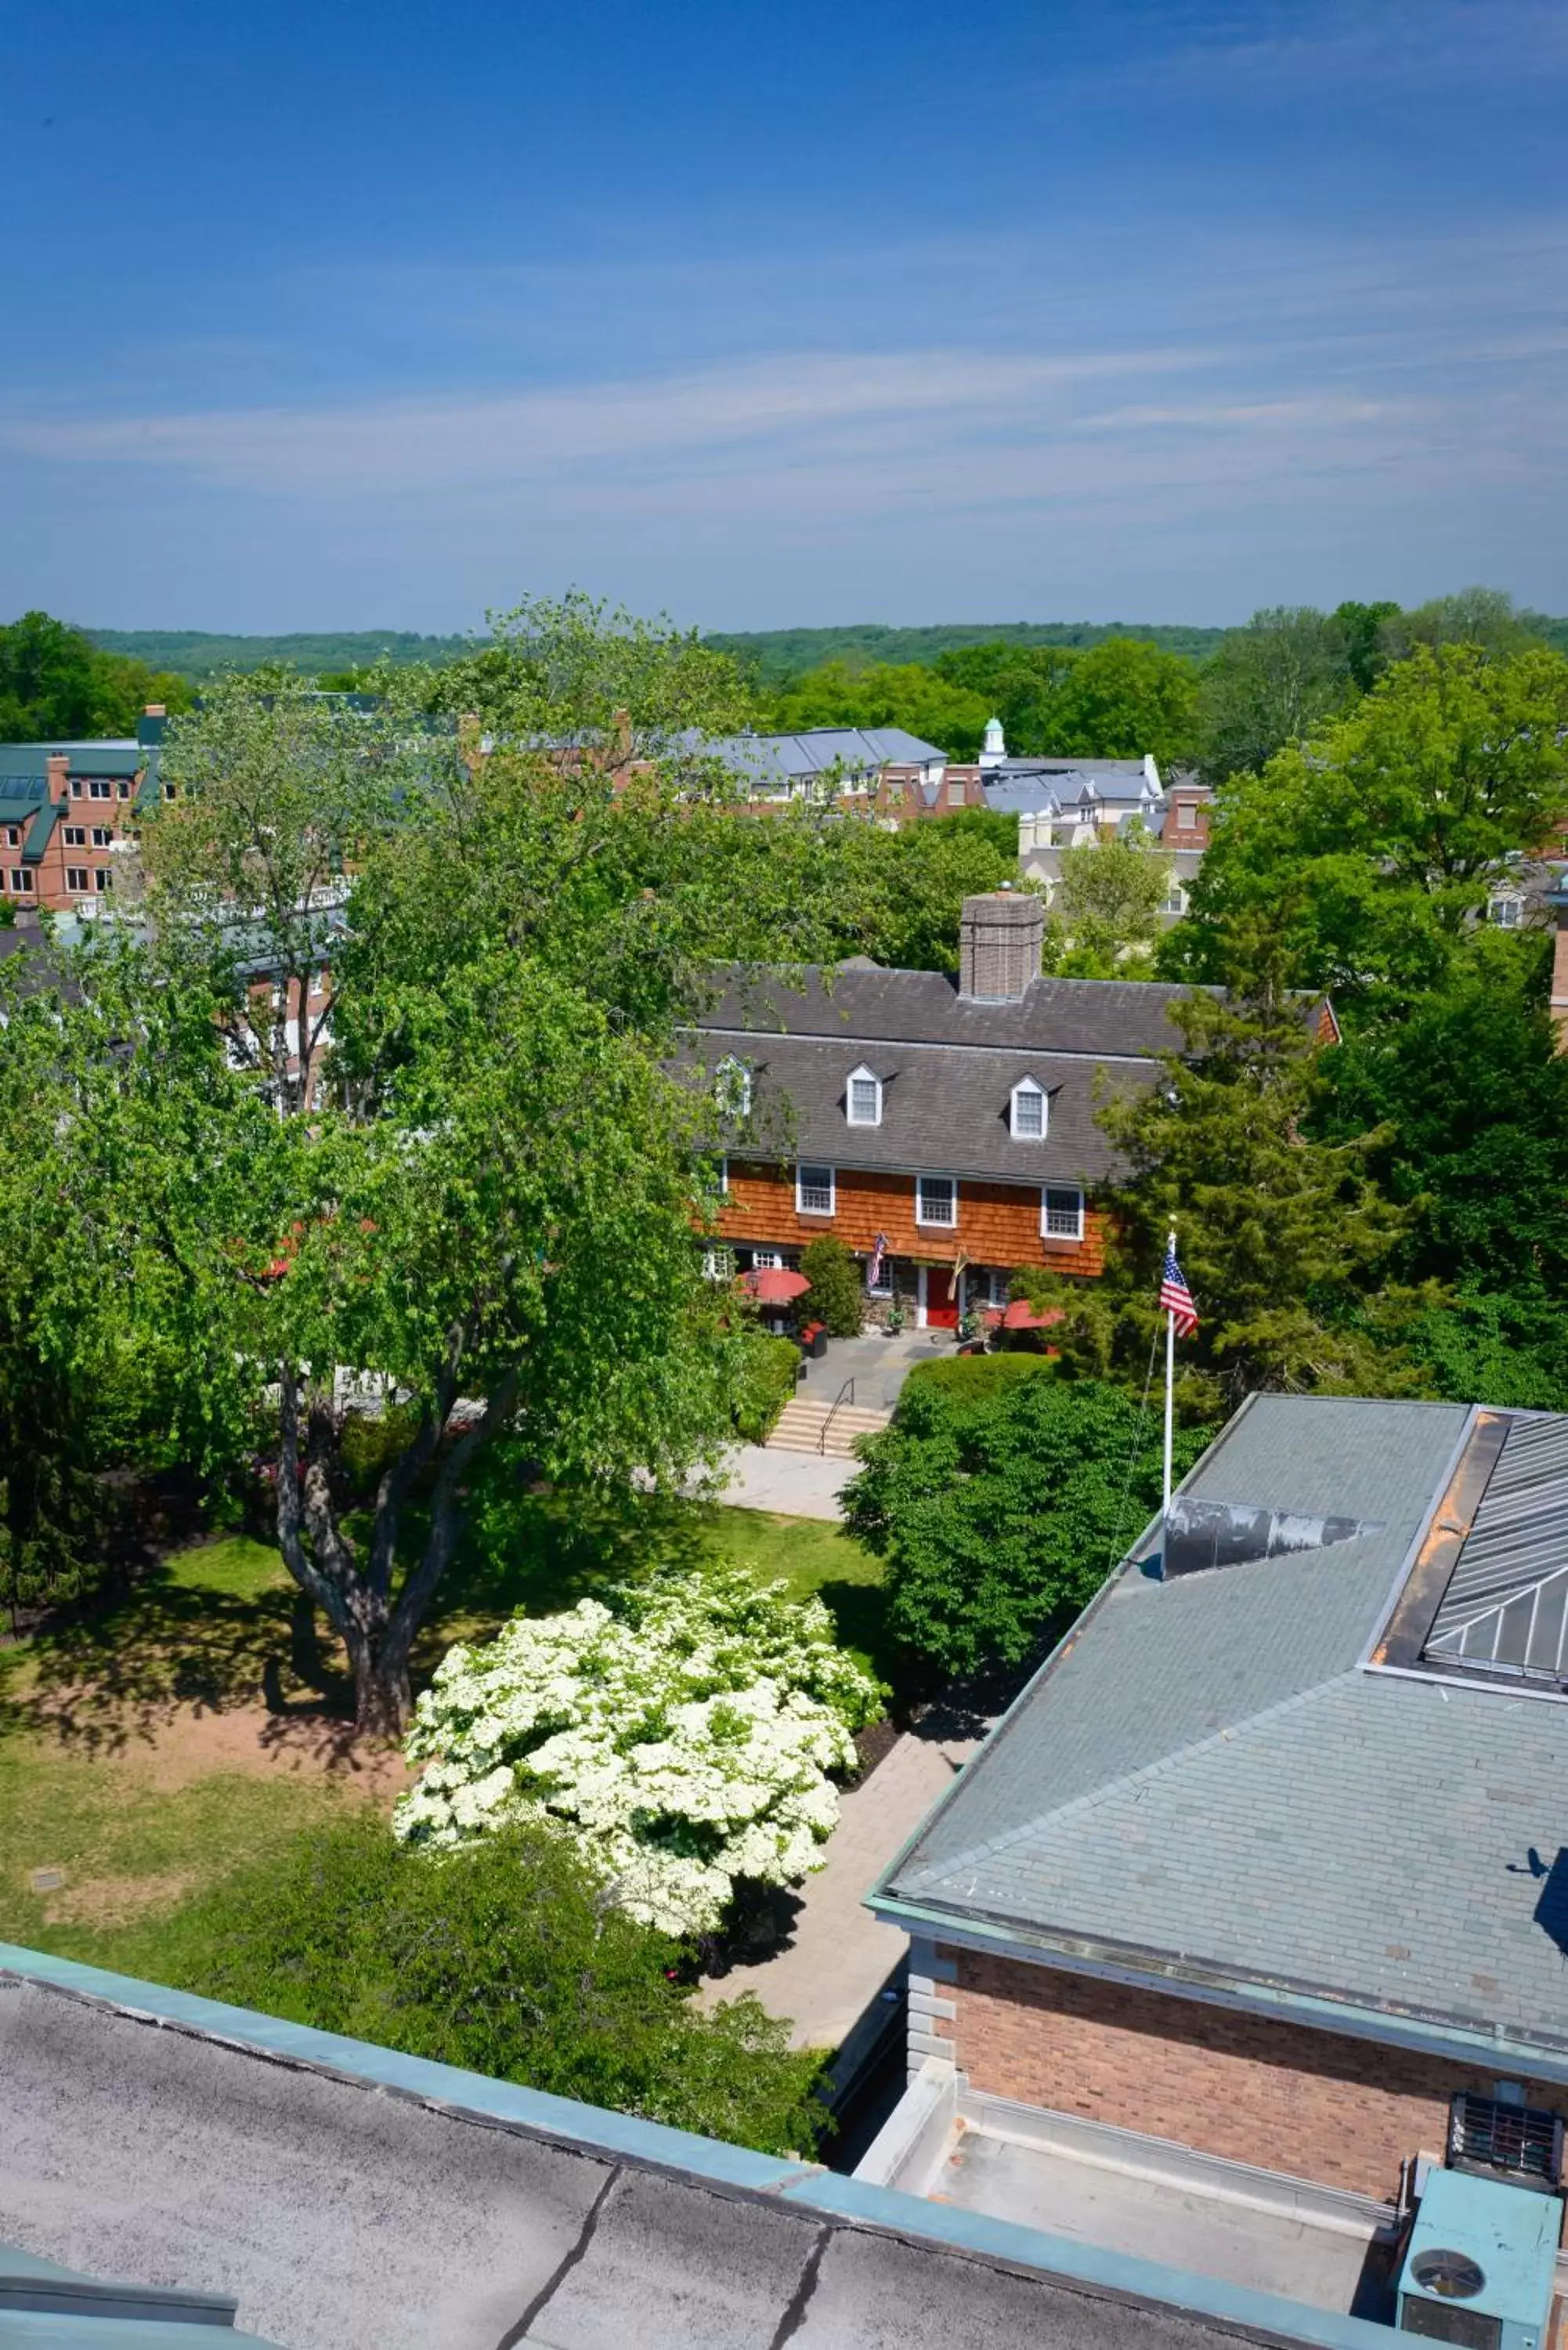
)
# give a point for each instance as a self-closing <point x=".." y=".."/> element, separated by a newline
<point x="331" y="316"/>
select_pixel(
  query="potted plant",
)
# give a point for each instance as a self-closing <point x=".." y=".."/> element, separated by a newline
<point x="895" y="1318"/>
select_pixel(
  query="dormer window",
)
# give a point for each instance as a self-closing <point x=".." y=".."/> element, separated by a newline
<point x="1029" y="1113"/>
<point x="863" y="1099"/>
<point x="733" y="1088"/>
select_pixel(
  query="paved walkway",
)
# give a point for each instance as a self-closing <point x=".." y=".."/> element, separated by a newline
<point x="877" y="1364"/>
<point x="838" y="1957"/>
<point x="795" y="1484"/>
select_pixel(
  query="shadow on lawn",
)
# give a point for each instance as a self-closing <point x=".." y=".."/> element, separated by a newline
<point x="105" y="1681"/>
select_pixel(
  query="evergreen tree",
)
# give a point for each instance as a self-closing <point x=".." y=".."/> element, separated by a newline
<point x="1283" y="1236"/>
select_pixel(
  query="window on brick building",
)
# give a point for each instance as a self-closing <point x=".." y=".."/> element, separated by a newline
<point x="21" y="882"/>
<point x="75" y="835"/>
<point x="12" y="836"/>
<point x="1061" y="1213"/>
<point x="123" y="788"/>
<point x="76" y="788"/>
<point x="100" y="789"/>
<point x="1185" y="815"/>
<point x="77" y="877"/>
<point x="102" y="879"/>
<point x="936" y="1200"/>
<point x="1503" y="2134"/>
<point x="102" y="836"/>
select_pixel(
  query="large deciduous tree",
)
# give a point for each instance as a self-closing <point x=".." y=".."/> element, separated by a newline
<point x="1373" y="848"/>
<point x="1271" y="683"/>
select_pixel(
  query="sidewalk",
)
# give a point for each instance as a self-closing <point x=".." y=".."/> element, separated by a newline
<point x="794" y="1484"/>
<point x="838" y="1956"/>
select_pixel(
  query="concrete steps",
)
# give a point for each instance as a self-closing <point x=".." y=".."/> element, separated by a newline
<point x="800" y="1426"/>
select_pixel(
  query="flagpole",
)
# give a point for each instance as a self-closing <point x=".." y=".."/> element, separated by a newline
<point x="1169" y="1373"/>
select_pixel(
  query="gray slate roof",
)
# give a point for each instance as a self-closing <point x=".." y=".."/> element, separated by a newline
<point x="943" y="1111"/>
<point x="776" y="761"/>
<point x="1206" y="1783"/>
<point x="948" y="1066"/>
<point x="1093" y="1019"/>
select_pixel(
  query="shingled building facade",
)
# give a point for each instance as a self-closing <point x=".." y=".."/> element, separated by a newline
<point x="946" y="1133"/>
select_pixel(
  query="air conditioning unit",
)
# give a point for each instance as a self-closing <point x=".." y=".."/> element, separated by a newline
<point x="1480" y="2263"/>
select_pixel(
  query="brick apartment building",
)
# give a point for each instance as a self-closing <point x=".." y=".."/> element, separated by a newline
<point x="1267" y="1863"/>
<point x="954" y="1124"/>
<point x="69" y="814"/>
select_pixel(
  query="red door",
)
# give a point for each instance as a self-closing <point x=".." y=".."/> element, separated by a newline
<point x="941" y="1299"/>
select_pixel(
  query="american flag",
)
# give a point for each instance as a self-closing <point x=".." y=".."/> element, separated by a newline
<point x="878" y="1257"/>
<point x="1174" y="1297"/>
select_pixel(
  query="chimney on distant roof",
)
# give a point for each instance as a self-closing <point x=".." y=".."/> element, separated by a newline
<point x="1000" y="939"/>
<point x="58" y="765"/>
<point x="156" y="710"/>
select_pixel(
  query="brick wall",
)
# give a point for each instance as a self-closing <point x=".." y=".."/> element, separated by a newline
<point x="1317" y="2105"/>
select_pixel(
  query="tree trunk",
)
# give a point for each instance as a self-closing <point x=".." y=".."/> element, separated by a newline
<point x="383" y="1700"/>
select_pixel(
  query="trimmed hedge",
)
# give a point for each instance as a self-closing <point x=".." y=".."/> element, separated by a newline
<point x="974" y="1378"/>
<point x="774" y="1369"/>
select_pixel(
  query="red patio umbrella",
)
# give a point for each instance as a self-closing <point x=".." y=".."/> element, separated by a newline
<point x="775" y="1285"/>
<point x="1020" y="1316"/>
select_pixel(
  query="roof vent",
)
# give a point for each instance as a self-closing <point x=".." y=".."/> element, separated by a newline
<point x="1199" y="1534"/>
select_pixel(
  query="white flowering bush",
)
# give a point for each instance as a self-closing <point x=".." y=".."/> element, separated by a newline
<point x="685" y="1730"/>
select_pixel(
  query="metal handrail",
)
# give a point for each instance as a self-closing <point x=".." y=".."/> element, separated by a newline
<point x="846" y="1394"/>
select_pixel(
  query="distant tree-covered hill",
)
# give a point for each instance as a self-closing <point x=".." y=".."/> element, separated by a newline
<point x="192" y="653"/>
<point x="778" y="654"/>
<point x="775" y="656"/>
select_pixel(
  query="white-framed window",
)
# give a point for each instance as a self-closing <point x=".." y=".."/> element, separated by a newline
<point x="863" y="1098"/>
<point x="102" y="836"/>
<point x="12" y="836"/>
<point x="1506" y="910"/>
<point x="77" y="877"/>
<point x="1061" y="1212"/>
<point x="75" y="835"/>
<point x="102" y="879"/>
<point x="936" y="1200"/>
<point x="761" y="1260"/>
<point x="123" y="788"/>
<point x="21" y="882"/>
<point x="100" y="790"/>
<point x="76" y="788"/>
<point x="719" y="1264"/>
<point x="733" y="1088"/>
<point x="170" y="791"/>
<point x="813" y="1191"/>
<point x="1185" y="815"/>
<point x="998" y="1285"/>
<point x="1173" y="901"/>
<point x="1029" y="1113"/>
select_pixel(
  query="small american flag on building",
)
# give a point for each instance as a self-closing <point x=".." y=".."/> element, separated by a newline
<point x="1174" y="1297"/>
<point x="878" y="1259"/>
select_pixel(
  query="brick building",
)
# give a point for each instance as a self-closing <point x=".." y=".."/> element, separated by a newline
<point x="881" y="771"/>
<point x="1267" y="1865"/>
<point x="953" y="1124"/>
<point x="69" y="812"/>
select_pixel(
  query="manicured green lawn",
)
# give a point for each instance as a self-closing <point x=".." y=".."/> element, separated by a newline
<point x="134" y="1745"/>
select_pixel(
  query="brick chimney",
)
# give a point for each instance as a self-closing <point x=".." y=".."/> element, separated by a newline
<point x="1000" y="939"/>
<point x="57" y="766"/>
